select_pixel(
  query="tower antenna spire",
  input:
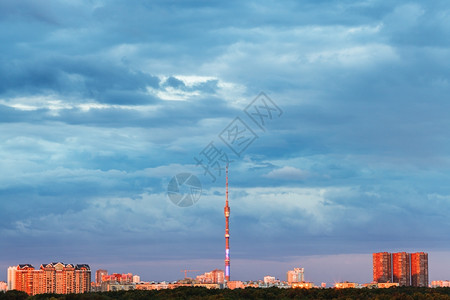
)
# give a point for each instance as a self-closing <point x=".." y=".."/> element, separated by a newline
<point x="227" y="232"/>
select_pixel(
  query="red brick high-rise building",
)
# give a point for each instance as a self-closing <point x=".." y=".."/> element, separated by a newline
<point x="118" y="278"/>
<point x="99" y="274"/>
<point x="382" y="268"/>
<point x="23" y="278"/>
<point x="296" y="275"/>
<point x="215" y="276"/>
<point x="401" y="268"/>
<point x="55" y="278"/>
<point x="419" y="269"/>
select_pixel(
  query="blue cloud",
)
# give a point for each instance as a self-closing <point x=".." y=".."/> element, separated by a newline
<point x="101" y="103"/>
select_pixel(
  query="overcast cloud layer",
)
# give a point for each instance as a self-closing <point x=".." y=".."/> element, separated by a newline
<point x="102" y="102"/>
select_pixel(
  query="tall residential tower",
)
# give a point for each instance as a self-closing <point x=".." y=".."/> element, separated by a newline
<point x="296" y="275"/>
<point x="419" y="269"/>
<point x="401" y="270"/>
<point x="406" y="269"/>
<point x="52" y="278"/>
<point x="382" y="268"/>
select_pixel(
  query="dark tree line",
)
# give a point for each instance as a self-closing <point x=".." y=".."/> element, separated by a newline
<point x="404" y="293"/>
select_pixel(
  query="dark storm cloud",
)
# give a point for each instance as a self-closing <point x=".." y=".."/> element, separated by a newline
<point x="176" y="83"/>
<point x="27" y="10"/>
<point x="93" y="78"/>
<point x="208" y="87"/>
<point x="415" y="24"/>
<point x="174" y="114"/>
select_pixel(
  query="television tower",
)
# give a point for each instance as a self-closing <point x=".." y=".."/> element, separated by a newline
<point x="227" y="234"/>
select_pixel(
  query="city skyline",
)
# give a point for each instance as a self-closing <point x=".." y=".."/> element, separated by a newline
<point x="389" y="269"/>
<point x="111" y="112"/>
<point x="386" y="262"/>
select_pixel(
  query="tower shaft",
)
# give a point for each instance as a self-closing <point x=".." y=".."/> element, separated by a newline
<point x="227" y="232"/>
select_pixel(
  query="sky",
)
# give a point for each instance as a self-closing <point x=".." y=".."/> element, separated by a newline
<point x="332" y="117"/>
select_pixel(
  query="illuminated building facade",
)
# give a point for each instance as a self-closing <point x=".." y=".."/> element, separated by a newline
<point x="118" y="278"/>
<point x="235" y="285"/>
<point x="270" y="280"/>
<point x="302" y="285"/>
<point x="440" y="283"/>
<point x="215" y="276"/>
<point x="23" y="278"/>
<point x="115" y="286"/>
<point x="57" y="278"/>
<point x="345" y="285"/>
<point x="115" y="282"/>
<point x="386" y="285"/>
<point x="99" y="275"/>
<point x="382" y="268"/>
<point x="12" y="278"/>
<point x="209" y="286"/>
<point x="296" y="275"/>
<point x="401" y="268"/>
<point x="419" y="269"/>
